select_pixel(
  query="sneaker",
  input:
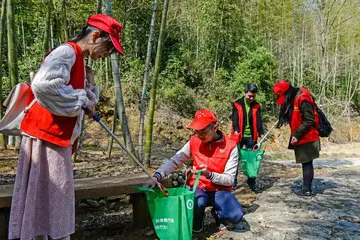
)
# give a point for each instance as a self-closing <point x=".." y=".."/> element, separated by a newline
<point x="222" y="230"/>
<point x="253" y="187"/>
<point x="222" y="227"/>
<point x="242" y="226"/>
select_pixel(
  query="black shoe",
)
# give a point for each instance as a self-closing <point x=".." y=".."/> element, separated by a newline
<point x="253" y="187"/>
<point x="305" y="193"/>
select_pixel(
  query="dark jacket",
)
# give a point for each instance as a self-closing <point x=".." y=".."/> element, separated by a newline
<point x="235" y="118"/>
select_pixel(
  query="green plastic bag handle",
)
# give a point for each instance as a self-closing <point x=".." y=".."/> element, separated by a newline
<point x="146" y="189"/>
<point x="198" y="174"/>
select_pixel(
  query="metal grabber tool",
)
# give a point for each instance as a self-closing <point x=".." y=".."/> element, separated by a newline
<point x="161" y="187"/>
<point x="258" y="145"/>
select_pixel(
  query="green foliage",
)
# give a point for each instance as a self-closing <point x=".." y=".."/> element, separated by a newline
<point x="356" y="103"/>
<point x="179" y="97"/>
<point x="31" y="61"/>
<point x="177" y="83"/>
<point x="133" y="71"/>
<point x="216" y="94"/>
<point x="259" y="67"/>
<point x="6" y="87"/>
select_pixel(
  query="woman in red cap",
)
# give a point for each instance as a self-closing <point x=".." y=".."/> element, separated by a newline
<point x="297" y="108"/>
<point x="43" y="202"/>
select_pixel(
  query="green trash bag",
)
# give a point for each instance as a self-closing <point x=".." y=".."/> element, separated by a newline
<point x="172" y="216"/>
<point x="250" y="161"/>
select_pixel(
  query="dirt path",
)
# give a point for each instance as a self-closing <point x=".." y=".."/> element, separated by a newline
<point x="333" y="213"/>
<point x="327" y="163"/>
<point x="275" y="213"/>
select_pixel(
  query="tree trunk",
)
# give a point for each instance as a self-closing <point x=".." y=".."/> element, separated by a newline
<point x="46" y="43"/>
<point x="106" y="73"/>
<point x="13" y="67"/>
<point x="302" y="53"/>
<point x="99" y="6"/>
<point x="23" y="37"/>
<point x="51" y="37"/>
<point x="151" y="112"/>
<point x="218" y="42"/>
<point x="145" y="83"/>
<point x="66" y="35"/>
<point x="335" y="59"/>
<point x="113" y="130"/>
<point x="2" y="28"/>
<point x="118" y="91"/>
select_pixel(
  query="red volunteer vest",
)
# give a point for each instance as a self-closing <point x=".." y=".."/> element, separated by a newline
<point x="42" y="124"/>
<point x="240" y="111"/>
<point x="296" y="120"/>
<point x="214" y="155"/>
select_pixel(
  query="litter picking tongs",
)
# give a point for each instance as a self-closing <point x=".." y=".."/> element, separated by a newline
<point x="161" y="187"/>
<point x="258" y="145"/>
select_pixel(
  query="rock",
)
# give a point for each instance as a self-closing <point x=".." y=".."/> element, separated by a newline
<point x="83" y="205"/>
<point x="92" y="203"/>
<point x="115" y="198"/>
<point x="270" y="234"/>
<point x="175" y="176"/>
<point x="181" y="180"/>
<point x="112" y="205"/>
<point x="102" y="202"/>
<point x="149" y="233"/>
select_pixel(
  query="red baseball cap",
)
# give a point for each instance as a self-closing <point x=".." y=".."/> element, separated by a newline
<point x="109" y="25"/>
<point x="202" y="119"/>
<point x="280" y="89"/>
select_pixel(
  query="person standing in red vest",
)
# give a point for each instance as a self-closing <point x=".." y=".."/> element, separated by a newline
<point x="297" y="108"/>
<point x="43" y="202"/>
<point x="216" y="156"/>
<point x="247" y="125"/>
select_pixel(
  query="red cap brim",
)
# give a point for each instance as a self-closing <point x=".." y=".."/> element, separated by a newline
<point x="117" y="45"/>
<point x="280" y="100"/>
<point x="198" y="125"/>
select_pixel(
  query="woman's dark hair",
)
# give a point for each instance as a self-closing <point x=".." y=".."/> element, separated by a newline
<point x="85" y="31"/>
<point x="251" y="87"/>
<point x="287" y="107"/>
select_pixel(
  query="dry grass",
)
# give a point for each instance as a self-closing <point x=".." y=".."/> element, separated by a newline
<point x="170" y="131"/>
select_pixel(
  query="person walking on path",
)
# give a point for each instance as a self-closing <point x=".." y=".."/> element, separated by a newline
<point x="43" y="202"/>
<point x="247" y="125"/>
<point x="216" y="156"/>
<point x="297" y="108"/>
